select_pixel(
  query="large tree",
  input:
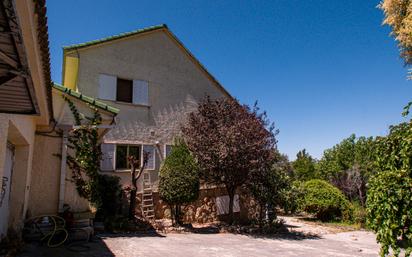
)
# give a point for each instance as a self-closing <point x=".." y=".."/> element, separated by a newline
<point x="229" y="141"/>
<point x="304" y="166"/>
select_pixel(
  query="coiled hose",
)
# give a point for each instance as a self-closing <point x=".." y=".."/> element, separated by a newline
<point x="58" y="224"/>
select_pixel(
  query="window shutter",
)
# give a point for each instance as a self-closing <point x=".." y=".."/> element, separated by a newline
<point x="107" y="162"/>
<point x="140" y="92"/>
<point x="107" y="87"/>
<point x="151" y="161"/>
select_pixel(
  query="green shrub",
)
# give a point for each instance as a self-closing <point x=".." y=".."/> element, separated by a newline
<point x="389" y="207"/>
<point x="291" y="196"/>
<point x="109" y="189"/>
<point x="179" y="178"/>
<point x="358" y="214"/>
<point x="325" y="201"/>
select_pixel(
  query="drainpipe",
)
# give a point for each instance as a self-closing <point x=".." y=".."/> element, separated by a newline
<point x="63" y="170"/>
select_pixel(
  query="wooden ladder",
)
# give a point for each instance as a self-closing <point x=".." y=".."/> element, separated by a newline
<point x="148" y="210"/>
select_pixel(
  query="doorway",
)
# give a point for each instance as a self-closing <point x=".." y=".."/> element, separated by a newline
<point x="5" y="190"/>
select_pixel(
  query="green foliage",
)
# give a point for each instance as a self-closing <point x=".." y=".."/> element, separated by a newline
<point x="291" y="196"/>
<point x="267" y="187"/>
<point x="304" y="166"/>
<point x="179" y="177"/>
<point x="324" y="200"/>
<point x="109" y="189"/>
<point x="359" y="214"/>
<point x="389" y="202"/>
<point x="84" y="161"/>
<point x="348" y="165"/>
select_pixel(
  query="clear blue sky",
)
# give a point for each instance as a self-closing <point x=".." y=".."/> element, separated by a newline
<point x="321" y="69"/>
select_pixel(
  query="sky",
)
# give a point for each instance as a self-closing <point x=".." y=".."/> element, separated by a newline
<point x="322" y="69"/>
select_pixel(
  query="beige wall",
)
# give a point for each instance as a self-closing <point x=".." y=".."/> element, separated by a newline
<point x="176" y="85"/>
<point x="45" y="185"/>
<point x="18" y="130"/>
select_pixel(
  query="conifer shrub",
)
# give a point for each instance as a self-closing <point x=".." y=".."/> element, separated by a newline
<point x="179" y="179"/>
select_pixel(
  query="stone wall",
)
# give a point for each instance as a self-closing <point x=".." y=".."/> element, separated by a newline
<point x="204" y="209"/>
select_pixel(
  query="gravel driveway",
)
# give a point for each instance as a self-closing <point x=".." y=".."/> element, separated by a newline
<point x="323" y="242"/>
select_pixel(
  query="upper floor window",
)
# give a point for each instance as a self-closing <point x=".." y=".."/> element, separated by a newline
<point x="123" y="90"/>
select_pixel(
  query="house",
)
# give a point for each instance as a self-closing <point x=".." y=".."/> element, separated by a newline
<point x="25" y="102"/>
<point x="153" y="79"/>
<point x="34" y="119"/>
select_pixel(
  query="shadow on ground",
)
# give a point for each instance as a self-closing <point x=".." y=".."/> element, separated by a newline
<point x="95" y="248"/>
<point x="283" y="232"/>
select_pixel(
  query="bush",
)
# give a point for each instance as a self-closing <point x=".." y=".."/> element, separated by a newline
<point x="109" y="189"/>
<point x="389" y="205"/>
<point x="325" y="201"/>
<point x="358" y="214"/>
<point x="291" y="195"/>
<point x="179" y="178"/>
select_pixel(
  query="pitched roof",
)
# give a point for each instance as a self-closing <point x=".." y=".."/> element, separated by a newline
<point x="86" y="99"/>
<point x="162" y="27"/>
<point x="118" y="36"/>
<point x="43" y="37"/>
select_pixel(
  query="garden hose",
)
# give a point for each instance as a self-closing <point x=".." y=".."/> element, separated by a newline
<point x="52" y="234"/>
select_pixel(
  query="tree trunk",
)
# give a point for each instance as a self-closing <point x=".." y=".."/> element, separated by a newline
<point x="132" y="205"/>
<point x="261" y="214"/>
<point x="176" y="215"/>
<point x="231" y="193"/>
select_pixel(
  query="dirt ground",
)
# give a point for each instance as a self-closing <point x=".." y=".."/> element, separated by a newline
<point x="305" y="239"/>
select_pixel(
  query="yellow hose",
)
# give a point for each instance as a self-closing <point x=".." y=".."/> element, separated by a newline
<point x="56" y="229"/>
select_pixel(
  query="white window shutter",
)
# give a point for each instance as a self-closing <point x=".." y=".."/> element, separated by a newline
<point x="151" y="161"/>
<point x="107" y="162"/>
<point x="140" y="92"/>
<point x="107" y="87"/>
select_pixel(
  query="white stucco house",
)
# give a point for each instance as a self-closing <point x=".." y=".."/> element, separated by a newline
<point x="153" y="79"/>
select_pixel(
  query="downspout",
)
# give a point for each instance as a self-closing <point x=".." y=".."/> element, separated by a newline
<point x="63" y="170"/>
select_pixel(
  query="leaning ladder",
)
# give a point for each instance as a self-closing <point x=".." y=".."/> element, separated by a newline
<point x="148" y="210"/>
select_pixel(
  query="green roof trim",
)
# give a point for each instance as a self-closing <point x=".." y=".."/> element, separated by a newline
<point x="118" y="36"/>
<point x="86" y="99"/>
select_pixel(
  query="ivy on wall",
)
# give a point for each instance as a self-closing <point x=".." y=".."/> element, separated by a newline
<point x="84" y="154"/>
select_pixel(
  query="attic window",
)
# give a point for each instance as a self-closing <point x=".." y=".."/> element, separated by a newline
<point x="124" y="90"/>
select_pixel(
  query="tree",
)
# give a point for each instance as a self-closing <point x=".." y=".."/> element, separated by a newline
<point x="134" y="164"/>
<point x="179" y="179"/>
<point x="304" y="166"/>
<point x="398" y="15"/>
<point x="389" y="201"/>
<point x="229" y="141"/>
<point x="267" y="187"/>
<point x="348" y="165"/>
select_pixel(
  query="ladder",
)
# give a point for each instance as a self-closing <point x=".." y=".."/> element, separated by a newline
<point x="148" y="210"/>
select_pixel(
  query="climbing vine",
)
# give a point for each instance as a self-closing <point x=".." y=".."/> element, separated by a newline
<point x="84" y="155"/>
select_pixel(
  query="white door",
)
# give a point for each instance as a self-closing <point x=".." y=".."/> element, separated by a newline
<point x="5" y="191"/>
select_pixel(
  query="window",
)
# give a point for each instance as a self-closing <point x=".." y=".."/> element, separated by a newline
<point x="122" y="152"/>
<point x="124" y="90"/>
<point x="168" y="149"/>
<point x="151" y="160"/>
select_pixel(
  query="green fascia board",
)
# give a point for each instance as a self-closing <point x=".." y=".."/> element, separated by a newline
<point x="118" y="36"/>
<point x="86" y="99"/>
